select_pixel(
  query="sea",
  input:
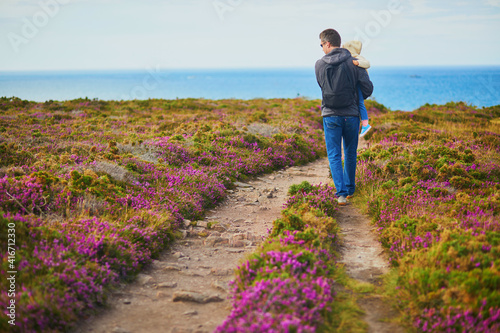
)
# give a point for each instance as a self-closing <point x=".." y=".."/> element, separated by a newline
<point x="398" y="88"/>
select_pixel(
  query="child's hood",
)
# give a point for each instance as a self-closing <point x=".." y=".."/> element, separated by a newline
<point x="354" y="46"/>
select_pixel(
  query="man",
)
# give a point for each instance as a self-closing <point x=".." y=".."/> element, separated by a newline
<point x="338" y="78"/>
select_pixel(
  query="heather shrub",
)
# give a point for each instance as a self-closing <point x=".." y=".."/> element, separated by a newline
<point x="434" y="198"/>
<point x="287" y="284"/>
<point x="98" y="188"/>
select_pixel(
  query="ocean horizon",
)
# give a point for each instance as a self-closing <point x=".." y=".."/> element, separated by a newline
<point x="398" y="88"/>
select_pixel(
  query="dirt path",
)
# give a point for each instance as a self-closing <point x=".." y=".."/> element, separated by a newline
<point x="186" y="290"/>
<point x="365" y="261"/>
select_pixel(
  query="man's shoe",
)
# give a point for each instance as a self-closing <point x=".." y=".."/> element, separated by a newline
<point x="364" y="130"/>
<point x="350" y="196"/>
<point x="342" y="201"/>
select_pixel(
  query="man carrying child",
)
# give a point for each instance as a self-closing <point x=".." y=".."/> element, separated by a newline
<point x="339" y="80"/>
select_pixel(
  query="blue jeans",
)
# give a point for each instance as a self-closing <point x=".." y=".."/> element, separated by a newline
<point x="338" y="129"/>
<point x="361" y="104"/>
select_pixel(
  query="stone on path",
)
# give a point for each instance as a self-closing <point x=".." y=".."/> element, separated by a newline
<point x="178" y="255"/>
<point x="220" y="285"/>
<point x="143" y="279"/>
<point x="240" y="184"/>
<point x="167" y="285"/>
<point x="192" y="296"/>
<point x="187" y="223"/>
<point x="190" y="313"/>
<point x="221" y="271"/>
<point x="172" y="267"/>
<point x="161" y="294"/>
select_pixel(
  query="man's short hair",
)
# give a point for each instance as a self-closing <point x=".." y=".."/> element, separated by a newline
<point x="331" y="36"/>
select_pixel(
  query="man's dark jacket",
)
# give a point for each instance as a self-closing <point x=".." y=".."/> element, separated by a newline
<point x="358" y="76"/>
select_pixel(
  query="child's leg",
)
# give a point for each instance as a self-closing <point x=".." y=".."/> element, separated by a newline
<point x="362" y="108"/>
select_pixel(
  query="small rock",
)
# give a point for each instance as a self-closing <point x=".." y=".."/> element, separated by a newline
<point x="272" y="177"/>
<point x="126" y="301"/>
<point x="187" y="223"/>
<point x="239" y="236"/>
<point x="156" y="264"/>
<point x="118" y="329"/>
<point x="204" y="267"/>
<point x="194" y="274"/>
<point x="192" y="296"/>
<point x="220" y="227"/>
<point x="161" y="294"/>
<point x="202" y="224"/>
<point x="235" y="250"/>
<point x="237" y="243"/>
<point x="143" y="279"/>
<point x="184" y="259"/>
<point x="220" y="285"/>
<point x="178" y="255"/>
<point x="214" y="299"/>
<point x="240" y="184"/>
<point x="188" y="296"/>
<point x="221" y="271"/>
<point x="184" y="234"/>
<point x="249" y="243"/>
<point x="172" y="267"/>
<point x="215" y="233"/>
<point x="167" y="285"/>
<point x="213" y="240"/>
<point x="190" y="313"/>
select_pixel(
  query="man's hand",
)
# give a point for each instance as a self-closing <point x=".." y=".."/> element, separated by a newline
<point x="355" y="62"/>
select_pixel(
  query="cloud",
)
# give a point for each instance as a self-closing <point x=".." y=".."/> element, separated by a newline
<point x="422" y="7"/>
<point x="469" y="18"/>
<point x="494" y="3"/>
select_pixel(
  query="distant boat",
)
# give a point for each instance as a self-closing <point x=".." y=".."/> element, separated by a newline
<point x="415" y="76"/>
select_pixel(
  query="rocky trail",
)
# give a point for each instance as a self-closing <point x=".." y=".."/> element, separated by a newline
<point x="186" y="290"/>
<point x="365" y="261"/>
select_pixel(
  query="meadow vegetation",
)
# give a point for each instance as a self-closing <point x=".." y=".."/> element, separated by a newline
<point x="96" y="189"/>
<point x="430" y="180"/>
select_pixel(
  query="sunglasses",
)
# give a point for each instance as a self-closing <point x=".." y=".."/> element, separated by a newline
<point x="321" y="45"/>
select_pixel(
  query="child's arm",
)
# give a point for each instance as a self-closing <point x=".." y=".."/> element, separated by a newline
<point x="361" y="62"/>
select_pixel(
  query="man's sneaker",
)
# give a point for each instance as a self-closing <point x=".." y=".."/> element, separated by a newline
<point x="364" y="130"/>
<point x="342" y="201"/>
<point x="350" y="196"/>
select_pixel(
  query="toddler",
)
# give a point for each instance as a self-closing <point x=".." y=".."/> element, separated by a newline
<point x="354" y="47"/>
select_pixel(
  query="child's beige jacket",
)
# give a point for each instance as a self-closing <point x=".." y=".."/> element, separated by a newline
<point x="354" y="46"/>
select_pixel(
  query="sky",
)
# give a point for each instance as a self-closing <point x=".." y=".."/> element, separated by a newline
<point x="167" y="34"/>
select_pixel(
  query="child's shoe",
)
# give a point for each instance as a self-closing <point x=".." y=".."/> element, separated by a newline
<point x="364" y="130"/>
